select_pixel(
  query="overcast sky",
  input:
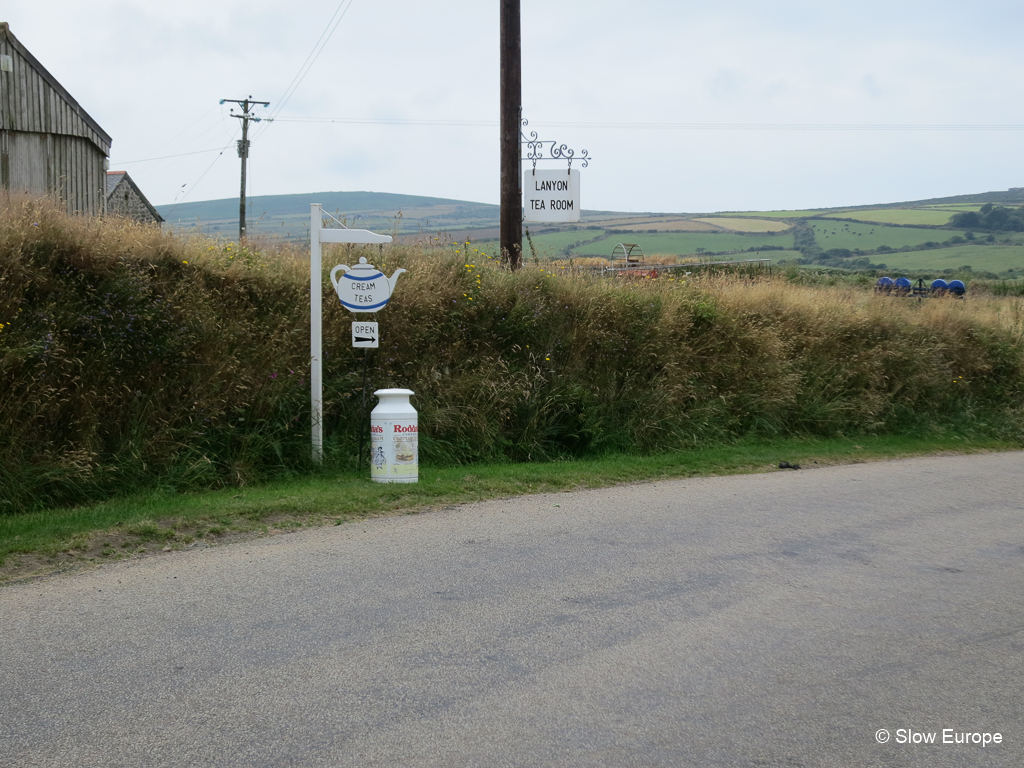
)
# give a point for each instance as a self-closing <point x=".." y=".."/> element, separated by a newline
<point x="152" y="74"/>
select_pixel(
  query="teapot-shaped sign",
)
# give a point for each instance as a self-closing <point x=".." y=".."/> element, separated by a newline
<point x="363" y="288"/>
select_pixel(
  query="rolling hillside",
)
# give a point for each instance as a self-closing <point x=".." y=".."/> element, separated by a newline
<point x="910" y="235"/>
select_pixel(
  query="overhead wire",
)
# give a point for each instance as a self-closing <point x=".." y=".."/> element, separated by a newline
<point x="307" y="65"/>
<point x="196" y="183"/>
<point x="332" y="25"/>
<point x="168" y="157"/>
<point x="670" y="126"/>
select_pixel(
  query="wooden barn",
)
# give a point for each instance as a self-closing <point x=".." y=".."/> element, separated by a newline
<point x="48" y="144"/>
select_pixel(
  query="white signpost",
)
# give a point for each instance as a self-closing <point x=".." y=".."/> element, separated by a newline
<point x="317" y="235"/>
<point x="550" y="196"/>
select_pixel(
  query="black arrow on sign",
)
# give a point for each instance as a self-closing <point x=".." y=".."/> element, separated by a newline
<point x="370" y="339"/>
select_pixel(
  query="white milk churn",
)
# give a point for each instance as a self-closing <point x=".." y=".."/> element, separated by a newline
<point x="394" y="438"/>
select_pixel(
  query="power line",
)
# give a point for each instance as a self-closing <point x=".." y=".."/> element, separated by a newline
<point x="167" y="157"/>
<point x="314" y="54"/>
<point x="190" y="189"/>
<point x="668" y="126"/>
<point x="385" y="121"/>
<point x="183" y="131"/>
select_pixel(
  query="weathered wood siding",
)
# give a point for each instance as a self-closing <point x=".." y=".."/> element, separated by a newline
<point x="48" y="143"/>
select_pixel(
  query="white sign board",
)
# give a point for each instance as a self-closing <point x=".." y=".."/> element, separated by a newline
<point x="363" y="288"/>
<point x="551" y="195"/>
<point x="365" y="336"/>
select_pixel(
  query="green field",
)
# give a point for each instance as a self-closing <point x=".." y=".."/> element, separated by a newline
<point x="745" y="224"/>
<point x="931" y="218"/>
<point x="981" y="258"/>
<point x="955" y="207"/>
<point x="686" y="243"/>
<point x="779" y="214"/>
<point x="551" y="244"/>
<point x="868" y="237"/>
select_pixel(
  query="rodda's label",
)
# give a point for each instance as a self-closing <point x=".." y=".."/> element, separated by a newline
<point x="394" y="451"/>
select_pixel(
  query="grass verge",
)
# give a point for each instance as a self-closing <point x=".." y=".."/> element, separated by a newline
<point x="49" y="541"/>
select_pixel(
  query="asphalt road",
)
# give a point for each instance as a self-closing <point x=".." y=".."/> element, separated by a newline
<point x="761" y="620"/>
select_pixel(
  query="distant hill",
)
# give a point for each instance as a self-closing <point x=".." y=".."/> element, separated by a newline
<point x="288" y="215"/>
<point x="284" y="205"/>
<point x="914" y="235"/>
<point x="1012" y="196"/>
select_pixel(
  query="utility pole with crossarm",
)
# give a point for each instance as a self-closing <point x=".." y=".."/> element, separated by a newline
<point x="243" y="150"/>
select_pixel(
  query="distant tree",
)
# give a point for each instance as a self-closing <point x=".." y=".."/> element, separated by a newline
<point x="967" y="219"/>
<point x="997" y="218"/>
<point x="990" y="217"/>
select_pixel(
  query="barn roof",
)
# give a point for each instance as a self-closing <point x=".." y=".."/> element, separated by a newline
<point x="113" y="179"/>
<point x="5" y="32"/>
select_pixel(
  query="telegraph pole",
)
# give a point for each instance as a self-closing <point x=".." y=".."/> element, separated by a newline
<point x="243" y="150"/>
<point x="511" y="216"/>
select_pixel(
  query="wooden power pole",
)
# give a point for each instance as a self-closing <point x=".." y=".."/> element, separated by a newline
<point x="243" y="151"/>
<point x="511" y="217"/>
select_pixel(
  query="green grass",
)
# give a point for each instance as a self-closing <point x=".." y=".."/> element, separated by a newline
<point x="686" y="243"/>
<point x="776" y="256"/>
<point x="551" y="244"/>
<point x="50" y="539"/>
<point x="868" y="237"/>
<point x="987" y="258"/>
<point x="133" y="360"/>
<point x="778" y="214"/>
<point x="931" y="218"/>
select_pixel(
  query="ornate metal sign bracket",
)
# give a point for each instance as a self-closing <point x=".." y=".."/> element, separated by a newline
<point x="536" y="148"/>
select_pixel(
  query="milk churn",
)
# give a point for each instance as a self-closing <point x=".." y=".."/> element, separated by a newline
<point x="394" y="438"/>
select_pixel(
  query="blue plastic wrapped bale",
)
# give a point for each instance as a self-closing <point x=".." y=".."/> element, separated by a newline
<point x="957" y="287"/>
<point x="884" y="285"/>
<point x="903" y="282"/>
<point x="939" y="285"/>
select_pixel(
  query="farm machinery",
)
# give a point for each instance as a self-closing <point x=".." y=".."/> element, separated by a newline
<point x="903" y="286"/>
<point x="629" y="261"/>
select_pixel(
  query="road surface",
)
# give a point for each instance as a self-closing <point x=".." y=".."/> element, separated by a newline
<point x="787" y="619"/>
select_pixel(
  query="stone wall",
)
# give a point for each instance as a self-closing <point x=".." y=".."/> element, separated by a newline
<point x="125" y="200"/>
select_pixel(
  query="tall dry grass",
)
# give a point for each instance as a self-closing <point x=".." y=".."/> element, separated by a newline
<point x="130" y="358"/>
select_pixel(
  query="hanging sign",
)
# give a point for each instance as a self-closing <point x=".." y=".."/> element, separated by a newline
<point x="318" y="234"/>
<point x="551" y="195"/>
<point x="363" y="288"/>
